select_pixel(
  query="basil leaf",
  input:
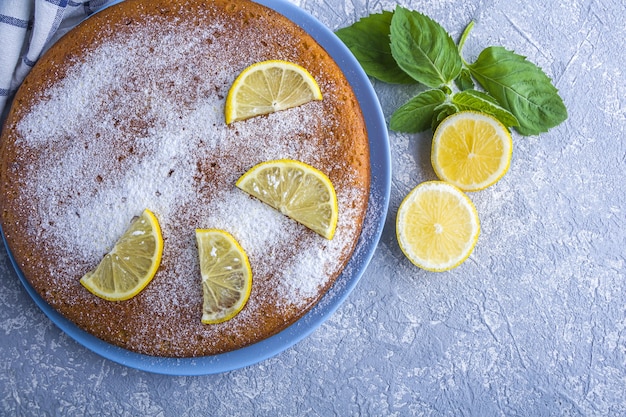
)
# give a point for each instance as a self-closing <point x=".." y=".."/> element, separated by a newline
<point x="481" y="102"/>
<point x="417" y="114"/>
<point x="521" y="87"/>
<point x="446" y="90"/>
<point x="368" y="40"/>
<point x="464" y="80"/>
<point x="423" y="49"/>
<point x="441" y="112"/>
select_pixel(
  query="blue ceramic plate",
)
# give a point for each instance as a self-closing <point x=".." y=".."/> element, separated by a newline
<point x="374" y="221"/>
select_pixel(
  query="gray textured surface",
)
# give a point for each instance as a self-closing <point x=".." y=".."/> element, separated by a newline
<point x="533" y="324"/>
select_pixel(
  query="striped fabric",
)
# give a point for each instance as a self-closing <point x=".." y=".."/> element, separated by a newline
<point x="27" y="29"/>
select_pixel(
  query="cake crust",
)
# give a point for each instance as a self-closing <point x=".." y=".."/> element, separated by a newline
<point x="124" y="113"/>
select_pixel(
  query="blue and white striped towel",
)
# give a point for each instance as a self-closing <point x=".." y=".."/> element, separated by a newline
<point x="27" y="29"/>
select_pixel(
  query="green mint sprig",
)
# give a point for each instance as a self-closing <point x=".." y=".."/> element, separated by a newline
<point x="408" y="47"/>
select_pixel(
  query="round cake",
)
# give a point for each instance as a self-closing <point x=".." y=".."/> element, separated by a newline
<point x="126" y="113"/>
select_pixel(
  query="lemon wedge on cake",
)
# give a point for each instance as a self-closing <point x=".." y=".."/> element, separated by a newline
<point x="269" y="86"/>
<point x="132" y="263"/>
<point x="226" y="275"/>
<point x="296" y="189"/>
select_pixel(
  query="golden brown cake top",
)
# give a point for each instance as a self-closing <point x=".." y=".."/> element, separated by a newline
<point x="126" y="113"/>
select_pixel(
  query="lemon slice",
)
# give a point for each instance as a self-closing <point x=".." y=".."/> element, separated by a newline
<point x="267" y="87"/>
<point x="471" y="150"/>
<point x="226" y="275"/>
<point x="296" y="189"/>
<point x="437" y="226"/>
<point x="131" y="264"/>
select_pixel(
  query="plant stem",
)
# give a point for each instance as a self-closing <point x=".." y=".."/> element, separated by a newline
<point x="464" y="36"/>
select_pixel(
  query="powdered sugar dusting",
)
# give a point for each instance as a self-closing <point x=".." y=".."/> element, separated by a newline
<point x="121" y="132"/>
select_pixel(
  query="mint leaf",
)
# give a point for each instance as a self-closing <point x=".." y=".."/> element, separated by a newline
<point x="368" y="40"/>
<point x="521" y="87"/>
<point x="481" y="102"/>
<point x="417" y="114"/>
<point x="423" y="48"/>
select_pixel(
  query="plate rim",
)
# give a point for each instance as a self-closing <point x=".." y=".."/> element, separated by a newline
<point x="380" y="188"/>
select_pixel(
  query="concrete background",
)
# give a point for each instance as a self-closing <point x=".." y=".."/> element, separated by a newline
<point x="533" y="324"/>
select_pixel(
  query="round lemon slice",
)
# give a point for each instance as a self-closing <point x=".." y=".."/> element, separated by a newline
<point x="471" y="150"/>
<point x="437" y="226"/>
<point x="267" y="87"/>
<point x="131" y="264"/>
<point x="299" y="191"/>
<point x="226" y="275"/>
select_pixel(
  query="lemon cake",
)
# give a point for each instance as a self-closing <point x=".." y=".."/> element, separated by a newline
<point x="126" y="113"/>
